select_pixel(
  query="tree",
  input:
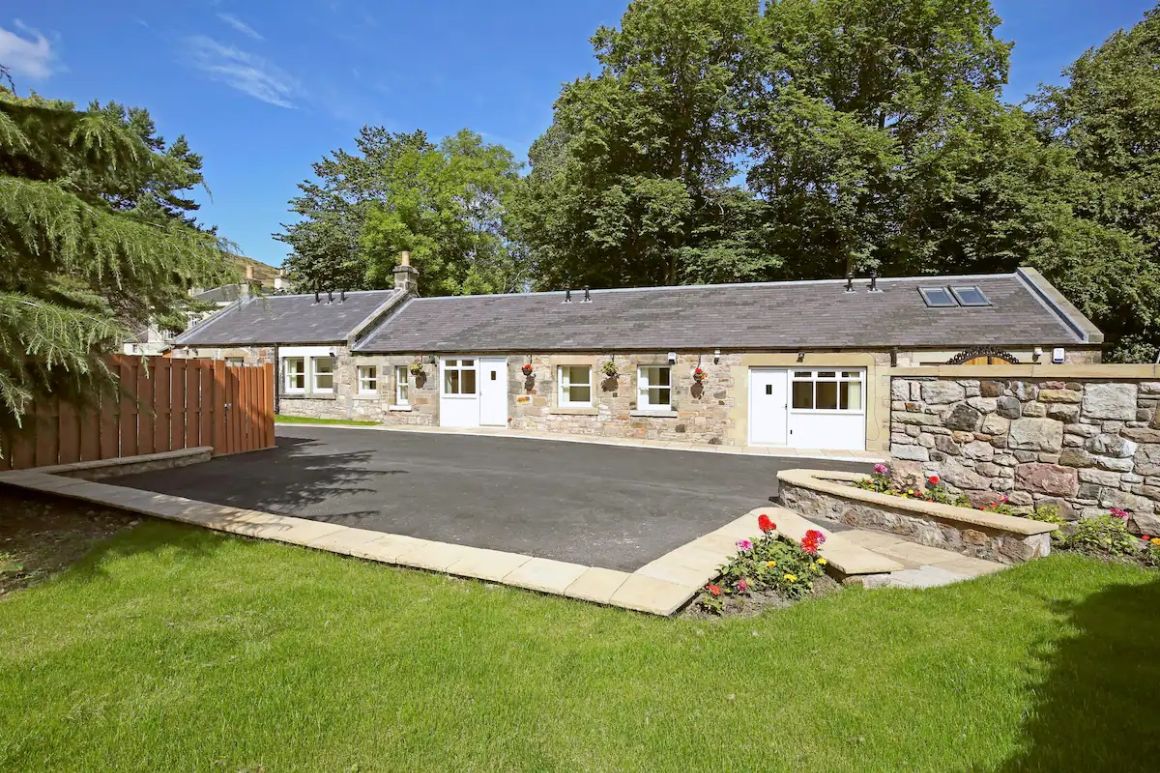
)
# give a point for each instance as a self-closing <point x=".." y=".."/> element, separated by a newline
<point x="399" y="191"/>
<point x="97" y="237"/>
<point x="1108" y="116"/>
<point x="852" y="103"/>
<point x="631" y="183"/>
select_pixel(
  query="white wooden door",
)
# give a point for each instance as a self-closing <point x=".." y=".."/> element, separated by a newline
<point x="768" y="406"/>
<point x="493" y="391"/>
<point x="458" y="392"/>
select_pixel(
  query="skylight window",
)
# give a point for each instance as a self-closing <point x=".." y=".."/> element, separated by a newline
<point x="970" y="296"/>
<point x="937" y="297"/>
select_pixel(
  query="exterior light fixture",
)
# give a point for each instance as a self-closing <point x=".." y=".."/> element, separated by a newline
<point x="801" y="357"/>
<point x="716" y="356"/>
<point x="672" y="358"/>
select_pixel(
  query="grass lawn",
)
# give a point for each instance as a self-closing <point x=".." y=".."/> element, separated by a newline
<point x="280" y="419"/>
<point x="174" y="648"/>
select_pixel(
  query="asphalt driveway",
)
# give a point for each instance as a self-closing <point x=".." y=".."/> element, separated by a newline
<point x="610" y="506"/>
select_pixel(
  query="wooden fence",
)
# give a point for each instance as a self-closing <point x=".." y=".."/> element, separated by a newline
<point x="163" y="405"/>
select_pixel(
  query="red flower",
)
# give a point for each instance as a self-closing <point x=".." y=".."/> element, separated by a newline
<point x="812" y="540"/>
<point x="934" y="480"/>
<point x="698" y="370"/>
<point x="714" y="590"/>
<point x="1146" y="538"/>
<point x="765" y="524"/>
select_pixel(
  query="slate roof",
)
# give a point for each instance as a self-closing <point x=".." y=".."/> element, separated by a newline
<point x="286" y="319"/>
<point x="756" y="316"/>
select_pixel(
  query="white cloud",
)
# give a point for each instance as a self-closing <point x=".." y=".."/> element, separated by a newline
<point x="29" y="54"/>
<point x="241" y="70"/>
<point x="240" y="26"/>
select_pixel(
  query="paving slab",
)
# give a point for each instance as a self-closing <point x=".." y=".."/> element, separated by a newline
<point x="545" y="575"/>
<point x="652" y="595"/>
<point x="484" y="564"/>
<point x="596" y="585"/>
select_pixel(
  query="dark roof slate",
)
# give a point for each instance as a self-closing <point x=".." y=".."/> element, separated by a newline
<point x="779" y="315"/>
<point x="286" y="319"/>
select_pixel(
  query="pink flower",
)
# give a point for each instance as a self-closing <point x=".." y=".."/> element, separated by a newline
<point x="1116" y="512"/>
<point x="742" y="585"/>
<point x="744" y="544"/>
<point x="881" y="469"/>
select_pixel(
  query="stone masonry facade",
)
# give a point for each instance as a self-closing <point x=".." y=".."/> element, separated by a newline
<point x="701" y="412"/>
<point x="1083" y="446"/>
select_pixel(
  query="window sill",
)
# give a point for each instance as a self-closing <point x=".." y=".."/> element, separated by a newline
<point x="305" y="396"/>
<point x="366" y="396"/>
<point x="654" y="414"/>
<point x="573" y="411"/>
<point x="399" y="408"/>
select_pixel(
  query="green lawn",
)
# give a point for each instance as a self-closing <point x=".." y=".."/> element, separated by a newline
<point x="174" y="648"/>
<point x="280" y="419"/>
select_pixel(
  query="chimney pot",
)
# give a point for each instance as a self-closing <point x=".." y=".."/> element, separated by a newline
<point x="405" y="258"/>
<point x="250" y="273"/>
<point x="568" y="295"/>
<point x="330" y="296"/>
<point x="587" y="295"/>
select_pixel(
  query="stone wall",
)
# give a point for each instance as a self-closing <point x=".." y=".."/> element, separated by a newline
<point x="701" y="411"/>
<point x="1083" y="445"/>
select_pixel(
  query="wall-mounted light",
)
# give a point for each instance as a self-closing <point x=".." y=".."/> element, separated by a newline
<point x="1058" y="355"/>
<point x="716" y="356"/>
<point x="1037" y="352"/>
<point x="672" y="358"/>
<point x="801" y="357"/>
<point x="432" y="359"/>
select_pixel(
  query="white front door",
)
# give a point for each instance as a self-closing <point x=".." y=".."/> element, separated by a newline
<point x="458" y="392"/>
<point x="768" y="406"/>
<point x="493" y="391"/>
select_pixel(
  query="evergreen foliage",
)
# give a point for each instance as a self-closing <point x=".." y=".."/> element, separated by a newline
<point x="98" y="238"/>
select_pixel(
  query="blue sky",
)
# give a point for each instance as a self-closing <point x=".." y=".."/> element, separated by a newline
<point x="263" y="89"/>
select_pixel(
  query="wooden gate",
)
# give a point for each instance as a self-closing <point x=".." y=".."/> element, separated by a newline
<point x="162" y="404"/>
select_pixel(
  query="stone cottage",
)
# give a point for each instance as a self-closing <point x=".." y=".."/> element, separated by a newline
<point x="793" y="364"/>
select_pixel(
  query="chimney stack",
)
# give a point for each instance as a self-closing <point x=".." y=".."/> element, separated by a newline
<point x="249" y="273"/>
<point x="406" y="277"/>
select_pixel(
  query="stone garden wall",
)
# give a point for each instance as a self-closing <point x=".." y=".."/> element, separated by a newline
<point x="1081" y="444"/>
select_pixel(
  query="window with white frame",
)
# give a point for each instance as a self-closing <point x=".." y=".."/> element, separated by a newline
<point x="402" y="385"/>
<point x="322" y="371"/>
<point x="655" y="388"/>
<point x="294" y="375"/>
<point x="827" y="390"/>
<point x="459" y="377"/>
<point x="575" y="386"/>
<point x="368" y="380"/>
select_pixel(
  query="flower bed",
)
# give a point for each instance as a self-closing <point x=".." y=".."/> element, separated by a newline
<point x="771" y="571"/>
<point x="1104" y="535"/>
<point x="924" y="514"/>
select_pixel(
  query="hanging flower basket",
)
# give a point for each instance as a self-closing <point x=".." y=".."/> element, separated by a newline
<point x="527" y="369"/>
<point x="610" y="369"/>
<point x="699" y="375"/>
<point x="415" y="368"/>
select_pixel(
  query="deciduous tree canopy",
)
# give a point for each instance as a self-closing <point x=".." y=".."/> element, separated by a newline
<point x="399" y="191"/>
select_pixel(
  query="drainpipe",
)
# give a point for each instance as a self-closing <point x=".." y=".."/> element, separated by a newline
<point x="277" y="381"/>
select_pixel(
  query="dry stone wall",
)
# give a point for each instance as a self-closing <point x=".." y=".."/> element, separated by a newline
<point x="1083" y="446"/>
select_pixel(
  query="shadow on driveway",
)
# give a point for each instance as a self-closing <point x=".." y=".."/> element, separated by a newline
<point x="598" y="505"/>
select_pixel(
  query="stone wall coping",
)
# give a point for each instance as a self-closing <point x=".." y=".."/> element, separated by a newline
<point x="181" y="454"/>
<point x="1030" y="370"/>
<point x="834" y="483"/>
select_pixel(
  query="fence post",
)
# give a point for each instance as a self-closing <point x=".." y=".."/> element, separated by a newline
<point x="221" y="396"/>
